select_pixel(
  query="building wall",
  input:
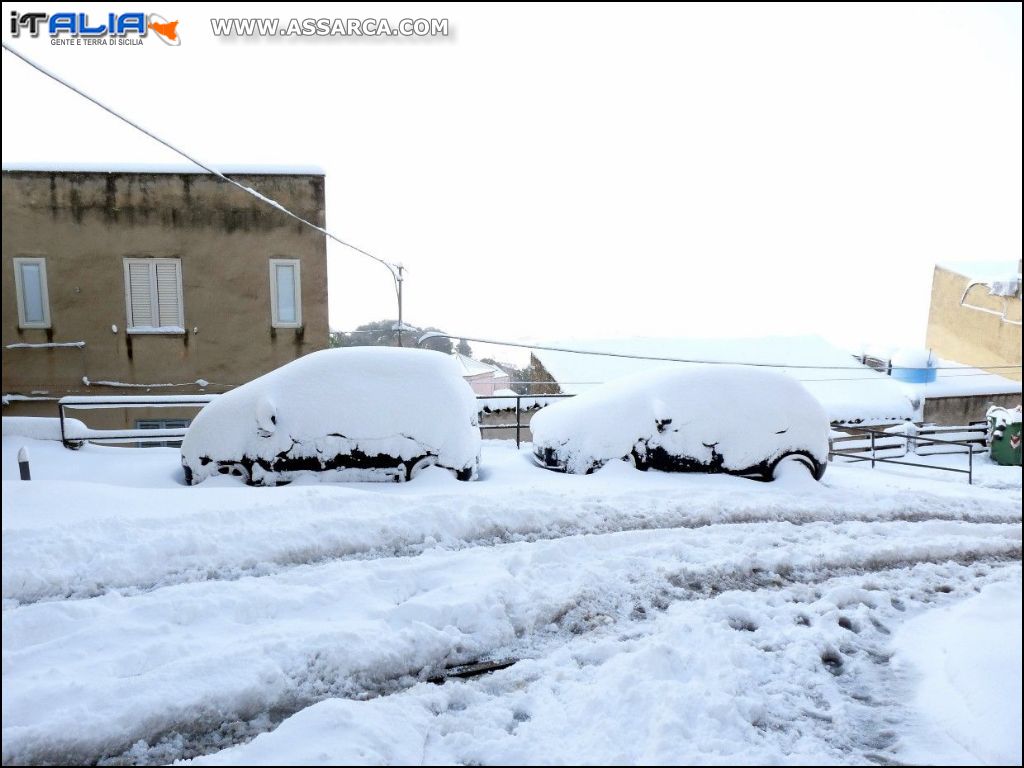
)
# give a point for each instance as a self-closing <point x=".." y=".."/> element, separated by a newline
<point x="969" y="336"/>
<point x="954" y="411"/>
<point x="85" y="224"/>
<point x="487" y="383"/>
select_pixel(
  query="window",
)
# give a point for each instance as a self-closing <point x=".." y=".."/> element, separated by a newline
<point x="152" y="289"/>
<point x="285" y="293"/>
<point x="162" y="424"/>
<point x="33" y="298"/>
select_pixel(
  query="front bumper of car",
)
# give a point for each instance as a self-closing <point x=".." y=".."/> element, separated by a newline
<point x="548" y="458"/>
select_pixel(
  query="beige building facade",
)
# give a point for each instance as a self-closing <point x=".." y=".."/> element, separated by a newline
<point x="154" y="283"/>
<point x="975" y="317"/>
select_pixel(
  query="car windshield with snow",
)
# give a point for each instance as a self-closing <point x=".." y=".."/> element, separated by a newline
<point x="346" y="414"/>
<point x="732" y="419"/>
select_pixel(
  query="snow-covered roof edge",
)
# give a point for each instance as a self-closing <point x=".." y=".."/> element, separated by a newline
<point x="985" y="271"/>
<point x="473" y="367"/>
<point x="256" y="169"/>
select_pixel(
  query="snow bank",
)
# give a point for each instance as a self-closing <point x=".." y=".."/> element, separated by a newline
<point x="41" y="427"/>
<point x="745" y="415"/>
<point x="966" y="661"/>
<point x="379" y="401"/>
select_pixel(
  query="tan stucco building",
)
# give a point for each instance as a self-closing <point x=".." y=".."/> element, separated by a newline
<point x="975" y="316"/>
<point x="121" y="283"/>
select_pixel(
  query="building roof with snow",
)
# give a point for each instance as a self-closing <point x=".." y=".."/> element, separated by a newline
<point x="248" y="169"/>
<point x="484" y="378"/>
<point x="957" y="380"/>
<point x="472" y="368"/>
<point x="849" y="391"/>
<point x="984" y="271"/>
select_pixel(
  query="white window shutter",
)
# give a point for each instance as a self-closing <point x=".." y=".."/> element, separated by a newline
<point x="32" y="293"/>
<point x="167" y="293"/>
<point x="286" y="293"/>
<point x="140" y="291"/>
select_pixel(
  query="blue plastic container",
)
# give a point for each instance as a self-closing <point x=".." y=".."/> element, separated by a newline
<point x="914" y="367"/>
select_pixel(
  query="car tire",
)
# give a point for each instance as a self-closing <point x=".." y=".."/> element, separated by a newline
<point x="638" y="461"/>
<point x="413" y="468"/>
<point x="789" y="461"/>
<point x="237" y="469"/>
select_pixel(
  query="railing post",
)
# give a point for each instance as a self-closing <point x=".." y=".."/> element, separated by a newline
<point x="518" y="422"/>
<point x="60" y="410"/>
<point x="970" y="464"/>
<point x="872" y="450"/>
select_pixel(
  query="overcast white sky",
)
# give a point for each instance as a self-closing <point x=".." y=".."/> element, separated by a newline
<point x="559" y="172"/>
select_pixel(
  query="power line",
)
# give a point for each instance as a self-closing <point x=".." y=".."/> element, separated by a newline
<point x="395" y="269"/>
<point x="629" y="356"/>
<point x="865" y="379"/>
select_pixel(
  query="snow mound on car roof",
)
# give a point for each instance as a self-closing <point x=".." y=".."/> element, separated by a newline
<point x="745" y="414"/>
<point x="379" y="400"/>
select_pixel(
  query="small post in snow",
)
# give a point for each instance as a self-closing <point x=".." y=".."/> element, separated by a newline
<point x="26" y="474"/>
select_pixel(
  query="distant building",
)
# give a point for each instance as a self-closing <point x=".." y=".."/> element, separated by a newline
<point x="155" y="282"/>
<point x="484" y="378"/>
<point x="975" y="320"/>
<point x="975" y="315"/>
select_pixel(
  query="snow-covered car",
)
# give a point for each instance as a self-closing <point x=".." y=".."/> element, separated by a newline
<point x="739" y="420"/>
<point x="360" y="413"/>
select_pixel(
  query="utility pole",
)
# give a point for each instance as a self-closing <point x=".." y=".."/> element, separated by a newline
<point x="399" y="279"/>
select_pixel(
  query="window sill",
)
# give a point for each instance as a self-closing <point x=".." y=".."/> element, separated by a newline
<point x="163" y="330"/>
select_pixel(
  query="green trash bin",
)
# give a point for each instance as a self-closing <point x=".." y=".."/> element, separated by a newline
<point x="1004" y="435"/>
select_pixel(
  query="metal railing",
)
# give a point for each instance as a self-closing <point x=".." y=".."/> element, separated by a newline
<point x="878" y="440"/>
<point x="88" y="402"/>
<point x="518" y="426"/>
<point x="877" y="435"/>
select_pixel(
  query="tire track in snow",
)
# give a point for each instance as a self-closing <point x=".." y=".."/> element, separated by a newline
<point x="852" y="652"/>
<point x="644" y="579"/>
<point x="81" y="564"/>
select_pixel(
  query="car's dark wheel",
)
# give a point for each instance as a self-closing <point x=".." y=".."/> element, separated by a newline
<point x="236" y="469"/>
<point x="791" y="463"/>
<point x="638" y="460"/>
<point x="414" y="467"/>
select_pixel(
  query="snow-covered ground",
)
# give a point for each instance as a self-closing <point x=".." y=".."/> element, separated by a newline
<point x="652" y="617"/>
<point x="966" y="658"/>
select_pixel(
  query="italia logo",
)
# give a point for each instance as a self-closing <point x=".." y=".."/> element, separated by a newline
<point x="1015" y="441"/>
<point x="120" y="26"/>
